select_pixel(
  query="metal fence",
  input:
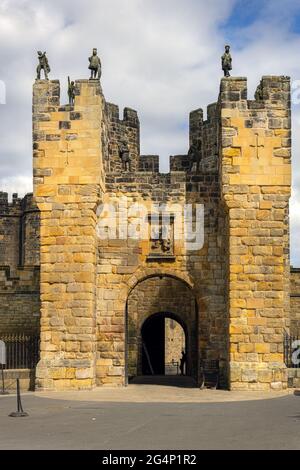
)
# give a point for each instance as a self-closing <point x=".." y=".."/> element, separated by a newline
<point x="22" y="351"/>
<point x="291" y="351"/>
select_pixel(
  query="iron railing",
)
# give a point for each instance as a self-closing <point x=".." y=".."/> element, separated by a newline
<point x="291" y="347"/>
<point x="22" y="351"/>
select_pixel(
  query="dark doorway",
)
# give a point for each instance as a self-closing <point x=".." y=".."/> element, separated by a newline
<point x="163" y="340"/>
<point x="153" y="346"/>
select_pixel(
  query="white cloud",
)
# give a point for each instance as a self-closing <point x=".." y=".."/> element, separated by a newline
<point x="16" y="182"/>
<point x="161" y="57"/>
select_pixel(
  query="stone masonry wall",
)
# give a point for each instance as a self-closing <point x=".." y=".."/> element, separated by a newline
<point x="10" y="226"/>
<point x="19" y="301"/>
<point x="204" y="135"/>
<point x="19" y="232"/>
<point x="68" y="181"/>
<point x="118" y="130"/>
<point x="124" y="262"/>
<point x="92" y="287"/>
<point x="174" y="343"/>
<point x="149" y="163"/>
<point x="19" y="265"/>
<point x="30" y="232"/>
<point x="256" y="178"/>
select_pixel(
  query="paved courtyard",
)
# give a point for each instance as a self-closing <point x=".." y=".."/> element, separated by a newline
<point x="152" y="417"/>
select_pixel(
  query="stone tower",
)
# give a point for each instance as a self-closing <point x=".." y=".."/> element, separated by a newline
<point x="230" y="296"/>
<point x="68" y="181"/>
<point x="255" y="165"/>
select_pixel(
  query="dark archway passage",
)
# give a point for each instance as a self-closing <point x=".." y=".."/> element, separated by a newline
<point x="153" y="346"/>
<point x="160" y="310"/>
<point x="162" y="342"/>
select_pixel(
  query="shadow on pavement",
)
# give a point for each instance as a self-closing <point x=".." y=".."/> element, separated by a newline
<point x="168" y="380"/>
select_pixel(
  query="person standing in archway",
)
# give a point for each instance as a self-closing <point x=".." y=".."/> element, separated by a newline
<point x="182" y="362"/>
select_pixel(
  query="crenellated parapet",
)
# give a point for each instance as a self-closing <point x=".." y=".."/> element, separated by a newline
<point x="118" y="131"/>
<point x="9" y="208"/>
<point x="19" y="231"/>
<point x="149" y="163"/>
<point x="203" y="154"/>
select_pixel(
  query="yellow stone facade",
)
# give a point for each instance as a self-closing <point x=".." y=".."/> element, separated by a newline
<point x="256" y="182"/>
<point x="68" y="180"/>
<point x="232" y="295"/>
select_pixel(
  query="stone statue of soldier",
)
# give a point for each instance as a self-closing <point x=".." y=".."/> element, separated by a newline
<point x="194" y="155"/>
<point x="95" y="65"/>
<point x="226" y="61"/>
<point x="259" y="96"/>
<point x="43" y="65"/>
<point x="124" y="155"/>
<point x="71" y="92"/>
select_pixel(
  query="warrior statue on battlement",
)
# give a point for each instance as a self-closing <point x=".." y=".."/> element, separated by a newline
<point x="71" y="91"/>
<point x="124" y="155"/>
<point x="43" y="65"/>
<point x="194" y="155"/>
<point x="95" y="65"/>
<point x="226" y="61"/>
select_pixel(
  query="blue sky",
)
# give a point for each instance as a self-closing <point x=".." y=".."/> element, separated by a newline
<point x="161" y="57"/>
<point x="242" y="14"/>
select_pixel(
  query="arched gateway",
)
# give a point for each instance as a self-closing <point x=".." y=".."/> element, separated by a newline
<point x="236" y="174"/>
<point x="149" y="335"/>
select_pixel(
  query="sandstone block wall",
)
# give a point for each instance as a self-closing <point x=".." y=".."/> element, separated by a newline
<point x="68" y="181"/>
<point x="124" y="263"/>
<point x="20" y="301"/>
<point x="115" y="131"/>
<point x="19" y="265"/>
<point x="175" y="343"/>
<point x="232" y="294"/>
<point x="255" y="175"/>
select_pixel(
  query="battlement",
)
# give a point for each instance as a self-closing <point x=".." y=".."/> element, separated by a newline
<point x="272" y="92"/>
<point x="179" y="163"/>
<point x="66" y="139"/>
<point x="149" y="163"/>
<point x="256" y="134"/>
<point x="17" y="205"/>
<point x="118" y="131"/>
<point x="130" y="116"/>
<point x="66" y="119"/>
<point x="28" y="203"/>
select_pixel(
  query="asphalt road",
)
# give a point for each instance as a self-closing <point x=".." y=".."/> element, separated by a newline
<point x="65" y="424"/>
